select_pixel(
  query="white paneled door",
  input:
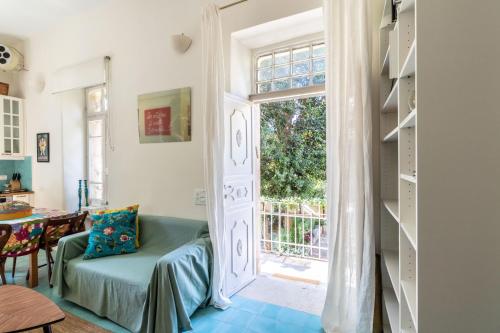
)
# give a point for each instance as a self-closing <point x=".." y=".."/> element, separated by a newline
<point x="239" y="193"/>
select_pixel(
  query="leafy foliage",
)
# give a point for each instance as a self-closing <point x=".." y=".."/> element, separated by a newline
<point x="293" y="144"/>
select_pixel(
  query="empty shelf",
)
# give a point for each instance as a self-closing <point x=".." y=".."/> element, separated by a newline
<point x="392" y="135"/>
<point x="408" y="178"/>
<point x="392" y="308"/>
<point x="410" y="292"/>
<point x="410" y="120"/>
<point x="391" y="103"/>
<point x="406" y="5"/>
<point x="385" y="65"/>
<point x="391" y="260"/>
<point x="410" y="231"/>
<point x="392" y="207"/>
<point x="408" y="68"/>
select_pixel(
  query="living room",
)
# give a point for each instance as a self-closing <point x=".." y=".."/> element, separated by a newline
<point x="131" y="162"/>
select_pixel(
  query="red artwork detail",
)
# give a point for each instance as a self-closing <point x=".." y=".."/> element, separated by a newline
<point x="157" y="121"/>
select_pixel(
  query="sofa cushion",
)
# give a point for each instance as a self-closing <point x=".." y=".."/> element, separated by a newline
<point x="111" y="234"/>
<point x="134" y="209"/>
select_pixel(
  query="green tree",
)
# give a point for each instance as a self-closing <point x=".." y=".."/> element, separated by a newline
<point x="293" y="148"/>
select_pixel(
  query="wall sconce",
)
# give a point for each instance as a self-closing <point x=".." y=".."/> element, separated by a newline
<point x="181" y="43"/>
<point x="37" y="83"/>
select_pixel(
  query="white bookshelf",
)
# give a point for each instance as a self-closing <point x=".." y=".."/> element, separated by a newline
<point x="442" y="169"/>
<point x="399" y="179"/>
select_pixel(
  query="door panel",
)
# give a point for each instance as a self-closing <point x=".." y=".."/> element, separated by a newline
<point x="241" y="253"/>
<point x="238" y="192"/>
<point x="239" y="201"/>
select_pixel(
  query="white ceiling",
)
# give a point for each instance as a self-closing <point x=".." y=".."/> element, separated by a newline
<point x="281" y="30"/>
<point x="23" y="18"/>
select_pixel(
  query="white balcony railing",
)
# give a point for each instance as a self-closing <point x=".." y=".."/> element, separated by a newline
<point x="294" y="229"/>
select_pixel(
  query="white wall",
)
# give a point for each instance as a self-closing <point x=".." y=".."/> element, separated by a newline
<point x="74" y="144"/>
<point x="240" y="83"/>
<point x="136" y="34"/>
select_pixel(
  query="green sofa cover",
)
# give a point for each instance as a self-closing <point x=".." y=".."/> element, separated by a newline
<point x="155" y="289"/>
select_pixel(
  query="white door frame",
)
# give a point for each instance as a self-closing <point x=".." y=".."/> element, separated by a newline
<point x="256" y="173"/>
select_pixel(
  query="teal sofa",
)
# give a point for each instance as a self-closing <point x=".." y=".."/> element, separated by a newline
<point x="155" y="289"/>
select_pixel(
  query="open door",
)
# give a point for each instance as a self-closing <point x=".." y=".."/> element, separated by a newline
<point x="239" y="193"/>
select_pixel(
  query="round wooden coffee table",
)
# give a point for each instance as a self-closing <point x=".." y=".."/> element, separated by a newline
<point x="23" y="309"/>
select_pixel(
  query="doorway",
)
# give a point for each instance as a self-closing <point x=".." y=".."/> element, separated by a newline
<point x="292" y="225"/>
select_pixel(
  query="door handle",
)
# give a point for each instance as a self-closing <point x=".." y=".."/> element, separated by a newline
<point x="257" y="153"/>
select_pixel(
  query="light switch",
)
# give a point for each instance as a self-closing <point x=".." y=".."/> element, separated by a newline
<point x="3" y="177"/>
<point x="200" y="197"/>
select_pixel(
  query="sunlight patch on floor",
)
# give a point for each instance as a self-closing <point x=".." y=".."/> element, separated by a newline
<point x="290" y="282"/>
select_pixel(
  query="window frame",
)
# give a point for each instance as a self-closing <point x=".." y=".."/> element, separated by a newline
<point x="90" y="116"/>
<point x="282" y="47"/>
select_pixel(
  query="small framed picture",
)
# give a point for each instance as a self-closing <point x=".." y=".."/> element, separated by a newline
<point x="43" y="147"/>
<point x="4" y="89"/>
<point x="165" y="116"/>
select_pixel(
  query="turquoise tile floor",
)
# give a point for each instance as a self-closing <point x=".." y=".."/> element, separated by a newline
<point x="250" y="316"/>
<point x="244" y="316"/>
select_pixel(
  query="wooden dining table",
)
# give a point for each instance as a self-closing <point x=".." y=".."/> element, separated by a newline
<point x="17" y="227"/>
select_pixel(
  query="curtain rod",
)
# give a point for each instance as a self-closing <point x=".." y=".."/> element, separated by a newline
<point x="232" y="4"/>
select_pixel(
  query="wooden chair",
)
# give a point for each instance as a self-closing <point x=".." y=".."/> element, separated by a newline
<point x="57" y="228"/>
<point x="28" y="241"/>
<point x="5" y="232"/>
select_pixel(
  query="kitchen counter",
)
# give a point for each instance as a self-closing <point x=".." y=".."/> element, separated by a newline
<point x="3" y="195"/>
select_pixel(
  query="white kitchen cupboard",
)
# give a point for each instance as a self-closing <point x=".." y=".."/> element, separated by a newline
<point x="11" y="127"/>
<point x="29" y="198"/>
<point x="440" y="167"/>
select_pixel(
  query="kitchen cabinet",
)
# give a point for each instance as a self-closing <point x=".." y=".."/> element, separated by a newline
<point x="29" y="198"/>
<point x="11" y="127"/>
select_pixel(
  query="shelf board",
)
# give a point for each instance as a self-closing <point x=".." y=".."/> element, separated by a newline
<point x="408" y="68"/>
<point x="410" y="292"/>
<point x="392" y="135"/>
<point x="391" y="259"/>
<point x="408" y="178"/>
<point x="392" y="308"/>
<point x="387" y="15"/>
<point x="391" y="103"/>
<point x="410" y="231"/>
<point x="410" y="120"/>
<point x="406" y="5"/>
<point x="392" y="207"/>
<point x="385" y="65"/>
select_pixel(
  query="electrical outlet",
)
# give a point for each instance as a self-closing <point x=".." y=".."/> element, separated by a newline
<point x="3" y="177"/>
<point x="200" y="197"/>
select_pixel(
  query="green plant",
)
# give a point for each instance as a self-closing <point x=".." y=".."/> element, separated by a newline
<point x="293" y="148"/>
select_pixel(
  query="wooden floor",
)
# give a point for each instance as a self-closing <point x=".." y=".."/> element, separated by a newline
<point x="73" y="324"/>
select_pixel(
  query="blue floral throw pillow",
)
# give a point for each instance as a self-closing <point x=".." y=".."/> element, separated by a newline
<point x="111" y="234"/>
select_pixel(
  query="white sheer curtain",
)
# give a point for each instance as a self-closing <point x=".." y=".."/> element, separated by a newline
<point x="351" y="282"/>
<point x="213" y="110"/>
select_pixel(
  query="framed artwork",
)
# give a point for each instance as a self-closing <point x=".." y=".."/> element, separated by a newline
<point x="43" y="147"/>
<point x="165" y="116"/>
<point x="4" y="89"/>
